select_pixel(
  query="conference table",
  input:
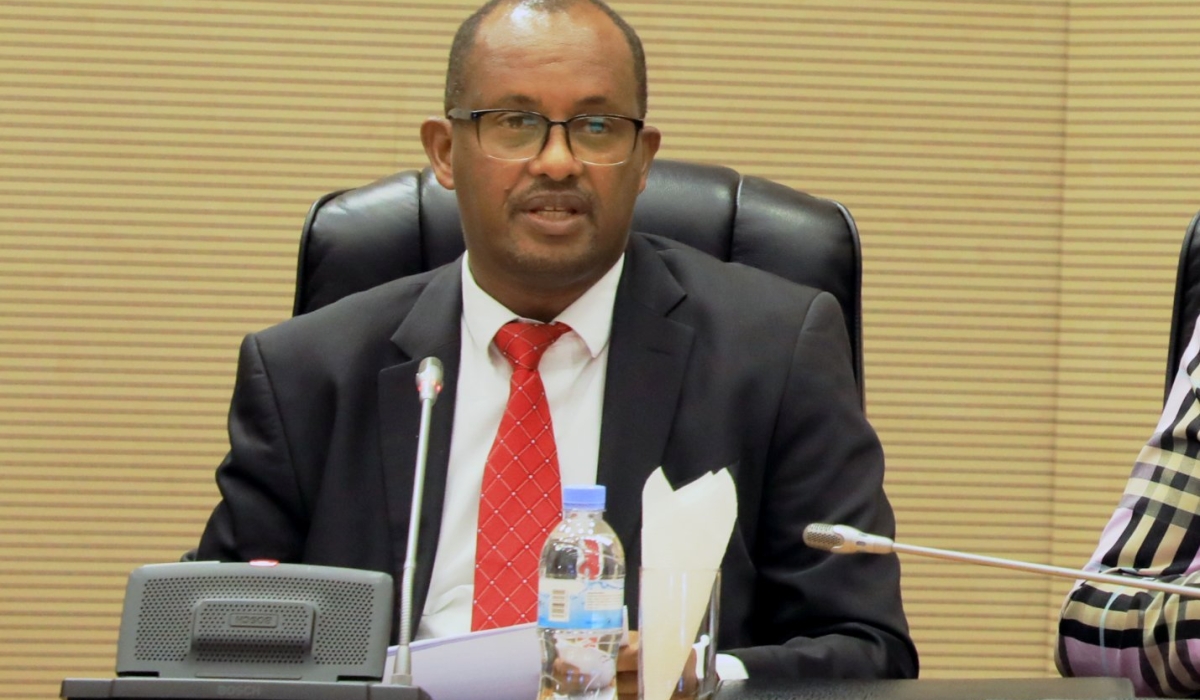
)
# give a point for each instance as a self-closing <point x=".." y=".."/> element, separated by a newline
<point x="929" y="689"/>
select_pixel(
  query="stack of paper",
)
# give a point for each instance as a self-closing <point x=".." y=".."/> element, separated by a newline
<point x="497" y="664"/>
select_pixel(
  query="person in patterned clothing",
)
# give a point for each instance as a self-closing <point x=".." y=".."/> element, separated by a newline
<point x="1151" y="638"/>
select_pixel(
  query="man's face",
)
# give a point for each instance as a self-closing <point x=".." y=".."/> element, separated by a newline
<point x="551" y="225"/>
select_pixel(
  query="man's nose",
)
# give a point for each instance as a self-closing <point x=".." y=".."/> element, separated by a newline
<point x="556" y="161"/>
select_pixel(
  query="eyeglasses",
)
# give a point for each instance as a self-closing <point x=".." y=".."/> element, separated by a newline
<point x="596" y="139"/>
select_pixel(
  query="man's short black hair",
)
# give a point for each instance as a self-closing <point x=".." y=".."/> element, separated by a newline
<point x="464" y="42"/>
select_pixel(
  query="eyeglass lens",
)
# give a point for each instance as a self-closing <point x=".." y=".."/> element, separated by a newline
<point x="596" y="139"/>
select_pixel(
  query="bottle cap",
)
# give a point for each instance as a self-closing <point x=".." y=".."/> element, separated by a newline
<point x="583" y="497"/>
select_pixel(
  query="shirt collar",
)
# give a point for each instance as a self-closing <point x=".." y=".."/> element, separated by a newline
<point x="590" y="316"/>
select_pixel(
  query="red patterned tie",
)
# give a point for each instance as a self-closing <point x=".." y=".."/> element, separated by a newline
<point x="521" y="499"/>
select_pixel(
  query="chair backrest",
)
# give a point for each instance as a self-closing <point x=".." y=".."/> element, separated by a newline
<point x="1187" y="300"/>
<point x="407" y="223"/>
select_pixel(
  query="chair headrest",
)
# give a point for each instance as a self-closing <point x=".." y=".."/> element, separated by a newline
<point x="407" y="223"/>
<point x="1187" y="300"/>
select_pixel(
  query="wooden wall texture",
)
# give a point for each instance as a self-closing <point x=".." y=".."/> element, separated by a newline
<point x="1021" y="171"/>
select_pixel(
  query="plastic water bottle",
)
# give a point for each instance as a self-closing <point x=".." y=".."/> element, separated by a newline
<point x="581" y="601"/>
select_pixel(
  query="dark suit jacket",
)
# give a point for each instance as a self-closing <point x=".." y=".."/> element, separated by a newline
<point x="710" y="365"/>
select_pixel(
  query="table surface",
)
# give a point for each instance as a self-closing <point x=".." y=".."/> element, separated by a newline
<point x="930" y="689"/>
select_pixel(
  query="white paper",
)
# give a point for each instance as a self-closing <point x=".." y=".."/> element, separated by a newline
<point x="497" y="664"/>
<point x="684" y="530"/>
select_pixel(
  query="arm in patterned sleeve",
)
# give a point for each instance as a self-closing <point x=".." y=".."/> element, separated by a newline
<point x="1151" y="638"/>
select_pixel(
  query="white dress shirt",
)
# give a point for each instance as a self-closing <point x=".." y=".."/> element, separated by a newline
<point x="573" y="372"/>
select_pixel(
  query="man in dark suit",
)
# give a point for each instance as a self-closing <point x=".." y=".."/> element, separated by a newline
<point x="671" y="358"/>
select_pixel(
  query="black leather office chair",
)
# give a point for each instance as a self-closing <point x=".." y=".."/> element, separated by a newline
<point x="407" y="223"/>
<point x="1187" y="300"/>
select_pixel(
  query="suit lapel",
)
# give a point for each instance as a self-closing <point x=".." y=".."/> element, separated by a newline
<point x="646" y="364"/>
<point x="431" y="328"/>
<point x="647" y="360"/>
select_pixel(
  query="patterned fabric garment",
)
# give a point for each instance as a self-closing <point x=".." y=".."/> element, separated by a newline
<point x="521" y="497"/>
<point x="1151" y="638"/>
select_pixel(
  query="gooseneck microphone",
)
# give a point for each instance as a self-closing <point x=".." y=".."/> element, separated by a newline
<point x="429" y="385"/>
<point x="843" y="539"/>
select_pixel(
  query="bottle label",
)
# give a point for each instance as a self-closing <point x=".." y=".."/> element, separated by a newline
<point x="581" y="605"/>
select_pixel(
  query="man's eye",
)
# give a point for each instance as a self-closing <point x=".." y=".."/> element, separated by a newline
<point x="517" y="121"/>
<point x="595" y="126"/>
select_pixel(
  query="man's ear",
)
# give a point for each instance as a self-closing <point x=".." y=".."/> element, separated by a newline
<point x="651" y="139"/>
<point x="437" y="135"/>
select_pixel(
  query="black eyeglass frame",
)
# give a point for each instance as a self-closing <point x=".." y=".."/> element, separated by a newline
<point x="474" y="115"/>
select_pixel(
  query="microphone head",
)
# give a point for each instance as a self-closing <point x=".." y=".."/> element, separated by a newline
<point x="843" y="539"/>
<point x="429" y="378"/>
<point x="430" y="364"/>
<point x="824" y="537"/>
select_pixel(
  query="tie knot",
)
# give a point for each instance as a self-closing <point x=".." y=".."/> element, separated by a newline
<point x="523" y="343"/>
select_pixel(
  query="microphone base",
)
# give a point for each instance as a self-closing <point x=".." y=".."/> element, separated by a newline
<point x="225" y="688"/>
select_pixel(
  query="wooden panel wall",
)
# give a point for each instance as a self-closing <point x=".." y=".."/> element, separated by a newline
<point x="1019" y="170"/>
